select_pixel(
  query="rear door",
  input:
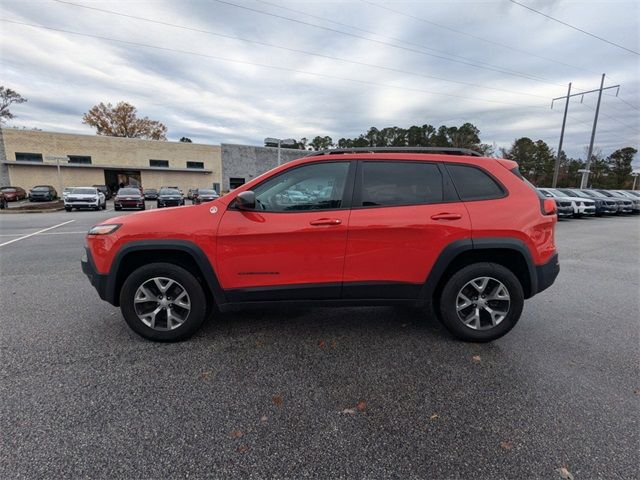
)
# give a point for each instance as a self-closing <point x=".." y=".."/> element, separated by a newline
<point x="292" y="245"/>
<point x="404" y="214"/>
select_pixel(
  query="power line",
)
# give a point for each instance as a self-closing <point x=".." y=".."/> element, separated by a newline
<point x="275" y="67"/>
<point x="288" y="49"/>
<point x="379" y="42"/>
<point x="631" y="105"/>
<point x="475" y="37"/>
<point x="575" y="28"/>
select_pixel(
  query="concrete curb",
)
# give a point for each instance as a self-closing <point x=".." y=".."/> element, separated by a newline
<point x="16" y="210"/>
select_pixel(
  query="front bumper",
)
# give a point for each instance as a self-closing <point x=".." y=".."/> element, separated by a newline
<point x="565" y="211"/>
<point x="76" y="204"/>
<point x="129" y="203"/>
<point x="169" y="203"/>
<point x="96" y="279"/>
<point x="546" y="273"/>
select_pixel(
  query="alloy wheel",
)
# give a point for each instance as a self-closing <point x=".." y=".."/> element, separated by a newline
<point x="483" y="303"/>
<point x="162" y="303"/>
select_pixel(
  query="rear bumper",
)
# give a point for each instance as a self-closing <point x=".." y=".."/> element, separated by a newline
<point x="96" y="279"/>
<point x="546" y="273"/>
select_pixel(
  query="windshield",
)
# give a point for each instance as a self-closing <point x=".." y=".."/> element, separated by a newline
<point x="9" y="190"/>
<point x="128" y="191"/>
<point x="151" y="190"/>
<point x="169" y="191"/>
<point x="593" y="193"/>
<point x="575" y="193"/>
<point x="40" y="188"/>
<point x="207" y="192"/>
<point x="84" y="191"/>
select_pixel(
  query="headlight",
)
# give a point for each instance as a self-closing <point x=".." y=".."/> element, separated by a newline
<point x="104" y="229"/>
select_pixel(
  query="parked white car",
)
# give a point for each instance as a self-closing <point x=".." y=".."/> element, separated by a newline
<point x="66" y="192"/>
<point x="581" y="206"/>
<point x="85" y="197"/>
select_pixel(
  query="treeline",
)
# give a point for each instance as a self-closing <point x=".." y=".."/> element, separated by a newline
<point x="535" y="158"/>
<point x="536" y="161"/>
<point x="465" y="136"/>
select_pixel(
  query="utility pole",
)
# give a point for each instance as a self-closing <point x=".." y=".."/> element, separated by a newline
<point x="564" y="122"/>
<point x="585" y="173"/>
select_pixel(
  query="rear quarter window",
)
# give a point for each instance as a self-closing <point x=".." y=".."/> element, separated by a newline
<point x="473" y="183"/>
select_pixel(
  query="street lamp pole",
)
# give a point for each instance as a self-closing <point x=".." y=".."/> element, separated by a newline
<point x="280" y="142"/>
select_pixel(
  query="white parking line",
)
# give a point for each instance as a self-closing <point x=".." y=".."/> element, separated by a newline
<point x="47" y="233"/>
<point x="35" y="233"/>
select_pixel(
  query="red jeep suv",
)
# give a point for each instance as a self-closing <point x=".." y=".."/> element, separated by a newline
<point x="445" y="227"/>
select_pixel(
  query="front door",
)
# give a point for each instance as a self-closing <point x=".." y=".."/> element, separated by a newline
<point x="292" y="245"/>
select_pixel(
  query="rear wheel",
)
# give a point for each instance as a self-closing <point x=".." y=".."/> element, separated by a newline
<point x="68" y="209"/>
<point x="481" y="302"/>
<point x="163" y="302"/>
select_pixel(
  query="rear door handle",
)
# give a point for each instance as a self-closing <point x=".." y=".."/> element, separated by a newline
<point x="446" y="216"/>
<point x="325" y="221"/>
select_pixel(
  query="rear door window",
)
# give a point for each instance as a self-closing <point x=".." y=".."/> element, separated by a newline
<point x="398" y="183"/>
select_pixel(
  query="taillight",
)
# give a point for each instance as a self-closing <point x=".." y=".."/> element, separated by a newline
<point x="548" y="206"/>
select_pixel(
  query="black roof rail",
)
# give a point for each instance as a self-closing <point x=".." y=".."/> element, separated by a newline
<point x="445" y="150"/>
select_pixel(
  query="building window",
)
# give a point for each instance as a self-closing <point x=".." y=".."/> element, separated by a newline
<point x="159" y="163"/>
<point x="80" y="159"/>
<point x="199" y="165"/>
<point x="235" y="182"/>
<point x="28" y="157"/>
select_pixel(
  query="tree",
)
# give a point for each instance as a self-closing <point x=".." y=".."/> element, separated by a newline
<point x="123" y="121"/>
<point x="620" y="166"/>
<point x="185" y="140"/>
<point x="535" y="160"/>
<point x="322" y="143"/>
<point x="7" y="98"/>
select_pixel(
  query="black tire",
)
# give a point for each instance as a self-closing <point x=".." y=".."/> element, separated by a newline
<point x="448" y="298"/>
<point x="117" y="209"/>
<point x="142" y="208"/>
<point x="68" y="209"/>
<point x="198" y="301"/>
<point x="104" y="206"/>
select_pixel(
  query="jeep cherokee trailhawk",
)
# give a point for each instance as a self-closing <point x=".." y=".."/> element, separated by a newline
<point x="445" y="227"/>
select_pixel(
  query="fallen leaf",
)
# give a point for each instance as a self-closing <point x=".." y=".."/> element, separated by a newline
<point x="334" y="344"/>
<point x="205" y="375"/>
<point x="237" y="433"/>
<point x="349" y="411"/>
<point x="564" y="473"/>
<point x="506" y="445"/>
<point x="259" y="343"/>
<point x="435" y="416"/>
<point x="263" y="419"/>
<point x="277" y="400"/>
<point x="637" y="391"/>
<point x="321" y="343"/>
<point x="404" y="325"/>
<point x="476" y="358"/>
<point x="361" y="406"/>
<point x="242" y="449"/>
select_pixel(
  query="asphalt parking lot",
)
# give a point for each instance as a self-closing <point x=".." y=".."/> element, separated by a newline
<point x="330" y="393"/>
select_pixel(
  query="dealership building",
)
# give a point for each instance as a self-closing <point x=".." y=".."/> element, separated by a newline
<point x="33" y="157"/>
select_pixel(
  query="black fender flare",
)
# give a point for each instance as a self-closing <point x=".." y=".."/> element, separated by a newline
<point x="452" y="250"/>
<point x="193" y="250"/>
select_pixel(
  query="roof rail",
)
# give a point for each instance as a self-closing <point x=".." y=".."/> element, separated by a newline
<point x="444" y="150"/>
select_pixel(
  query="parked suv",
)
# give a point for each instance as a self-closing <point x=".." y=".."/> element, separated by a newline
<point x="85" y="197"/>
<point x="579" y="206"/>
<point x="44" y="193"/>
<point x="464" y="233"/>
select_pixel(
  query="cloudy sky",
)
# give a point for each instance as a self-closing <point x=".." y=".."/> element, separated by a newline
<point x="240" y="70"/>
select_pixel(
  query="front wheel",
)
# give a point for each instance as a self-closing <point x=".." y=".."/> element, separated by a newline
<point x="163" y="302"/>
<point x="481" y="302"/>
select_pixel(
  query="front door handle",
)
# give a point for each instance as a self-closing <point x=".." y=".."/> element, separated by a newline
<point x="446" y="216"/>
<point x="325" y="221"/>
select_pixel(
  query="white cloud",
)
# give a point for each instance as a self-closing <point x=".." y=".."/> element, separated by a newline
<point x="213" y="101"/>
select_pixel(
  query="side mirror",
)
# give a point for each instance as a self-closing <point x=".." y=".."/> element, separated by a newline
<point x="246" y="200"/>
